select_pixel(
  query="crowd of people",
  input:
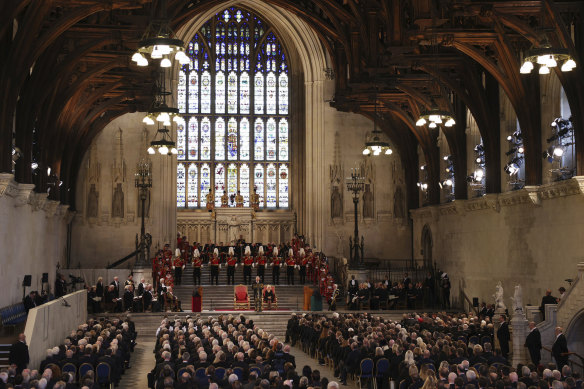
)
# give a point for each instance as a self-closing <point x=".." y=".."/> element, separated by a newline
<point x="425" y="351"/>
<point x="109" y="341"/>
<point x="432" y="291"/>
<point x="225" y="352"/>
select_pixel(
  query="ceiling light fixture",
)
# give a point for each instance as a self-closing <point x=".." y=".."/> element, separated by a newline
<point x="165" y="145"/>
<point x="375" y="145"/>
<point x="547" y="57"/>
<point x="159" y="43"/>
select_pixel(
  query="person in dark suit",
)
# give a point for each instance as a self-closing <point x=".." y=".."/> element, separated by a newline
<point x="547" y="299"/>
<point x="351" y="363"/>
<point x="60" y="286"/>
<point x="19" y="354"/>
<point x="504" y="336"/>
<point x="560" y="349"/>
<point x="533" y="343"/>
<point x="116" y="284"/>
<point x="30" y="301"/>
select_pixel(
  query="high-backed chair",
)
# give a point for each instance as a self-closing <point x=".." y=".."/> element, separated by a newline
<point x="240" y="297"/>
<point x="275" y="302"/>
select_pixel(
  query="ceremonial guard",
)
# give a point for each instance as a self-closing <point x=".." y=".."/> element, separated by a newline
<point x="275" y="267"/>
<point x="247" y="265"/>
<point x="239" y="202"/>
<point x="197" y="265"/>
<point x="178" y="265"/>
<point x="224" y="200"/>
<point x="303" y="262"/>
<point x="290" y="264"/>
<point x="255" y="200"/>
<point x="257" y="287"/>
<point x="215" y="266"/>
<point x="231" y="265"/>
<point x="261" y="261"/>
<point x="210" y="199"/>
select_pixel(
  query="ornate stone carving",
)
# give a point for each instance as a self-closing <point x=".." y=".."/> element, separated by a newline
<point x="23" y="195"/>
<point x="498" y="296"/>
<point x="8" y="186"/>
<point x="38" y="200"/>
<point x="517" y="197"/>
<point x="517" y="300"/>
<point x="50" y="208"/>
<point x="336" y="181"/>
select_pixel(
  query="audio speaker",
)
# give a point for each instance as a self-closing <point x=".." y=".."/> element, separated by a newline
<point x="27" y="281"/>
<point x="45" y="279"/>
<point x="475" y="301"/>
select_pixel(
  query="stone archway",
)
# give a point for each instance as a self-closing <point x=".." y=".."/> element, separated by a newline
<point x="427" y="246"/>
<point x="308" y="59"/>
<point x="574" y="333"/>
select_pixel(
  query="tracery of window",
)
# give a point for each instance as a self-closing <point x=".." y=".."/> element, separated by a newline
<point x="234" y="136"/>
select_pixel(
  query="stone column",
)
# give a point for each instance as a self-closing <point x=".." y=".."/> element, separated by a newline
<point x="519" y="333"/>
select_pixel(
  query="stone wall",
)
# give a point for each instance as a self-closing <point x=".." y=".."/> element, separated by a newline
<point x="106" y="224"/>
<point x="530" y="237"/>
<point x="33" y="236"/>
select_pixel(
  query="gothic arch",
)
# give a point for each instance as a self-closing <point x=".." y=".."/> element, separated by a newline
<point x="308" y="60"/>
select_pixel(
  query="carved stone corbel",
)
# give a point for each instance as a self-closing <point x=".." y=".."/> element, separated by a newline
<point x="8" y="186"/>
<point x="50" y="208"/>
<point x="24" y="194"/>
<point x="38" y="200"/>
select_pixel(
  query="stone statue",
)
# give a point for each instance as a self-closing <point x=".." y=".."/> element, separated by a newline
<point x="398" y="204"/>
<point x="92" y="201"/>
<point x="517" y="299"/>
<point x="499" y="303"/>
<point x="368" y="202"/>
<point x="118" y="202"/>
<point x="336" y="203"/>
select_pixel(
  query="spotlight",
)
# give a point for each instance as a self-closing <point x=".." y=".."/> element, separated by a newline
<point x="558" y="151"/>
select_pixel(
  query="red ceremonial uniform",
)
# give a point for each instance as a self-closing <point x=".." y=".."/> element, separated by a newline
<point x="231" y="261"/>
<point x="248" y="261"/>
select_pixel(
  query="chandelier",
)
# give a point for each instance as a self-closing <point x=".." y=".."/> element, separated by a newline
<point x="159" y="111"/>
<point x="547" y="57"/>
<point x="159" y="43"/>
<point x="376" y="146"/>
<point x="434" y="117"/>
<point x="163" y="143"/>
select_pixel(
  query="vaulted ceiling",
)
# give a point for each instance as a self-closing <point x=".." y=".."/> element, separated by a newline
<point x="66" y="73"/>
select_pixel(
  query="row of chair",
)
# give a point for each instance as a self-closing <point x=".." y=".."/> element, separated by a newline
<point x="241" y="299"/>
<point x="102" y="371"/>
<point x="370" y="371"/>
<point x="220" y="372"/>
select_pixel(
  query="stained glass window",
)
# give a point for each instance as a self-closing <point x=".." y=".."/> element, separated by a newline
<point x="244" y="140"/>
<point x="193" y="139"/>
<point x="231" y="180"/>
<point x="192" y="186"/>
<point x="271" y="140"/>
<point x="180" y="185"/>
<point x="181" y="92"/>
<point x="205" y="139"/>
<point x="244" y="183"/>
<point x="259" y="140"/>
<point x="271" y="186"/>
<point x="219" y="183"/>
<point x="226" y="118"/>
<point x="181" y="139"/>
<point x="232" y="139"/>
<point x="283" y="186"/>
<point x="205" y="183"/>
<point x="259" y="182"/>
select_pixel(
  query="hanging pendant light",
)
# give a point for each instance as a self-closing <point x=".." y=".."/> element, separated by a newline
<point x="547" y="57"/>
<point x="159" y="111"/>
<point x="375" y="145"/>
<point x="159" y="43"/>
<point x="434" y="116"/>
<point x="162" y="143"/>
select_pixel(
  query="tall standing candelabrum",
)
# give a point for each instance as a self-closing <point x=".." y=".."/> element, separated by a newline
<point x="355" y="185"/>
<point x="143" y="181"/>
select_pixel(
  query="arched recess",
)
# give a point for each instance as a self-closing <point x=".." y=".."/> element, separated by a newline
<point x="426" y="245"/>
<point x="574" y="332"/>
<point x="307" y="58"/>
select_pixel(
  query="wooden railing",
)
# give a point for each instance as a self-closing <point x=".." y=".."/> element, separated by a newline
<point x="575" y="366"/>
<point x="469" y="302"/>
